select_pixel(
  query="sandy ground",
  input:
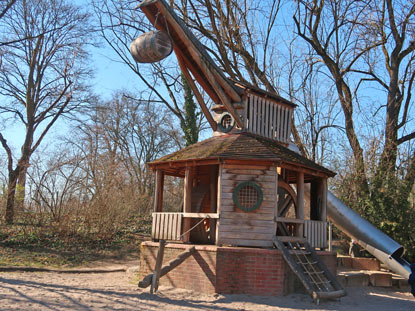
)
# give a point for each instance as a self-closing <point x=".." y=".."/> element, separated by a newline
<point x="118" y="291"/>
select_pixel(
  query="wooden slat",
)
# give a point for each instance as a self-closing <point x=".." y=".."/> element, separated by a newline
<point x="249" y="171"/>
<point x="290" y="121"/>
<point x="245" y="113"/>
<point x="251" y="113"/>
<point x="247" y="177"/>
<point x="246" y="229"/>
<point x="283" y="115"/>
<point x="241" y="215"/>
<point x="246" y="166"/>
<point x="247" y="235"/>
<point x="254" y="114"/>
<point x="245" y="222"/>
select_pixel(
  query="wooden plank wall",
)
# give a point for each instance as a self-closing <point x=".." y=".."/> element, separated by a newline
<point x="236" y="227"/>
<point x="267" y="118"/>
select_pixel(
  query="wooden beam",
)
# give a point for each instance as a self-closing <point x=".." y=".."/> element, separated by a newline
<point x="156" y="274"/>
<point x="213" y="182"/>
<point x="196" y="54"/>
<point x="199" y="97"/>
<point x="300" y="202"/>
<point x="199" y="76"/>
<point x="158" y="192"/>
<point x="168" y="267"/>
<point x="223" y="89"/>
<point x="201" y="215"/>
<point x="323" y="190"/>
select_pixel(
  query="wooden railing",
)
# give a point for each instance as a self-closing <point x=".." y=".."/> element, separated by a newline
<point x="268" y="118"/>
<point x="315" y="232"/>
<point x="169" y="226"/>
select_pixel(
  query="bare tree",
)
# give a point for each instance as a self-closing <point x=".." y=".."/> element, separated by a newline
<point x="5" y="6"/>
<point x="350" y="37"/>
<point x="42" y="78"/>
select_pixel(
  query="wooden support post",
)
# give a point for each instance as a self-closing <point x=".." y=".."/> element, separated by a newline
<point x="300" y="203"/>
<point x="158" y="192"/>
<point x="213" y="203"/>
<point x="187" y="206"/>
<point x="168" y="267"/>
<point x="156" y="273"/>
<point x="218" y="200"/>
<point x="323" y="194"/>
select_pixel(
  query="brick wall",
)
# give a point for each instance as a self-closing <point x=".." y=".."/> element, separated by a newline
<point x="228" y="270"/>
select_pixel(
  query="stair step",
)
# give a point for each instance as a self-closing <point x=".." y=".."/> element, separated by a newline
<point x="312" y="273"/>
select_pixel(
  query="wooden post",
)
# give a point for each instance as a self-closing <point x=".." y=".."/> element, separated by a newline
<point x="187" y="206"/>
<point x="158" y="192"/>
<point x="323" y="194"/>
<point x="218" y="202"/>
<point x="276" y="197"/>
<point x="156" y="273"/>
<point x="213" y="202"/>
<point x="300" y="202"/>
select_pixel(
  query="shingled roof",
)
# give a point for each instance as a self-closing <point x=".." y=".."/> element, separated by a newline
<point x="241" y="146"/>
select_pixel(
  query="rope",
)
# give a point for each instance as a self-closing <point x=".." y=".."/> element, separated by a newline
<point x="184" y="233"/>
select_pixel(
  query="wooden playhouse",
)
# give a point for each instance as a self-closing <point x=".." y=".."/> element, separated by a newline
<point x="253" y="211"/>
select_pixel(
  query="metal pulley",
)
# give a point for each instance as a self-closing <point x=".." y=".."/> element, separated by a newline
<point x="151" y="47"/>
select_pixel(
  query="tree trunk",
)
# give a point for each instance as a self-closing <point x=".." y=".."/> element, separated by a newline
<point x="21" y="187"/>
<point x="11" y="194"/>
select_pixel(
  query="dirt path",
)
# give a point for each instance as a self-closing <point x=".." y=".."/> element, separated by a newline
<point x="118" y="291"/>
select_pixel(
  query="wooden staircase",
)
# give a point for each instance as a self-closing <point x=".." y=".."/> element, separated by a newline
<point x="313" y="274"/>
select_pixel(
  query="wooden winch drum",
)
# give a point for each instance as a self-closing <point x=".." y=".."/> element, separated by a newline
<point x="151" y="47"/>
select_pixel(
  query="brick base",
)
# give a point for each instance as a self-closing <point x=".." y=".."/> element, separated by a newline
<point x="228" y="270"/>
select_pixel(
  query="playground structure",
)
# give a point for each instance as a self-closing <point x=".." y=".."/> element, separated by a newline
<point x="245" y="192"/>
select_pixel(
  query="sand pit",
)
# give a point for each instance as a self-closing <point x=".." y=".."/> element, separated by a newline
<point x="118" y="291"/>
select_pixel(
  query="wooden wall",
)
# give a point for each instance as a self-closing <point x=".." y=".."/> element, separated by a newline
<point x="236" y="227"/>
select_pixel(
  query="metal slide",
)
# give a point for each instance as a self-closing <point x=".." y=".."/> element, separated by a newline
<point x="367" y="235"/>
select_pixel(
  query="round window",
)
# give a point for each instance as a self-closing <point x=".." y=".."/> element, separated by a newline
<point x="226" y="123"/>
<point x="247" y="196"/>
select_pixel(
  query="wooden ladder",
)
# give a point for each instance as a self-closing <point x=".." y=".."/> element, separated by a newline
<point x="311" y="271"/>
